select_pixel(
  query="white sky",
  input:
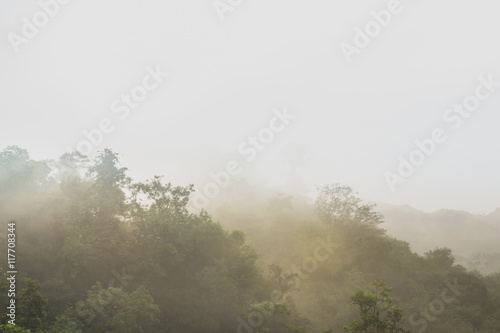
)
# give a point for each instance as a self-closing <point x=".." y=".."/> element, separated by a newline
<point x="227" y="76"/>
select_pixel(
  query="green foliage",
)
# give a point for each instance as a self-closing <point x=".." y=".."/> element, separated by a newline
<point x="271" y="317"/>
<point x="59" y="295"/>
<point x="80" y="223"/>
<point x="378" y="315"/>
<point x="22" y="181"/>
<point x="168" y="202"/>
<point x="107" y="183"/>
<point x="283" y="282"/>
<point x="111" y="310"/>
<point x="18" y="171"/>
<point x="13" y="329"/>
<point x="4" y="285"/>
<point x="105" y="171"/>
<point x="441" y="258"/>
<point x="31" y="306"/>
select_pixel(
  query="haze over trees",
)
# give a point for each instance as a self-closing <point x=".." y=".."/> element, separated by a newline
<point x="101" y="252"/>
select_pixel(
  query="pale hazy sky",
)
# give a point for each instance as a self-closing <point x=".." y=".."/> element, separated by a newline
<point x="226" y="77"/>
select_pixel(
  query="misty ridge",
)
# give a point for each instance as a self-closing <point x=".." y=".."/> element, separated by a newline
<point x="102" y="252"/>
<point x="473" y="238"/>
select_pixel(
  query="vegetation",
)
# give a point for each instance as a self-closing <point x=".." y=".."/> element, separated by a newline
<point x="101" y="252"/>
<point x="376" y="311"/>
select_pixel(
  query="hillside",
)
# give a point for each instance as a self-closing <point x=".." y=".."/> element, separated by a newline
<point x="473" y="238"/>
<point x="101" y="252"/>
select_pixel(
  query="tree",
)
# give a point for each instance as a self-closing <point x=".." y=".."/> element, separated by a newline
<point x="108" y="181"/>
<point x="200" y="273"/>
<point x="13" y="329"/>
<point x="441" y="257"/>
<point x="281" y="281"/>
<point x="168" y="202"/>
<point x="95" y="239"/>
<point x="22" y="181"/>
<point x="105" y="170"/>
<point x="378" y="315"/>
<point x="31" y="306"/>
<point x="111" y="310"/>
<point x="70" y="166"/>
<point x="4" y="286"/>
<point x="59" y="294"/>
<point x="19" y="172"/>
<point x="272" y="317"/>
<point x="339" y="205"/>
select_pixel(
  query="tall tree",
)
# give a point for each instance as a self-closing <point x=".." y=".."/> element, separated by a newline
<point x="108" y="180"/>
<point x="339" y="205"/>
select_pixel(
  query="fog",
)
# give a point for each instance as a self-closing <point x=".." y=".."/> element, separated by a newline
<point x="375" y="123"/>
<point x="226" y="77"/>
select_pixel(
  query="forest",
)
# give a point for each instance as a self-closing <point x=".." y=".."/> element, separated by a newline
<point x="98" y="251"/>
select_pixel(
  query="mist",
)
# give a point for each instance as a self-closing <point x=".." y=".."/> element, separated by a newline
<point x="234" y="166"/>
